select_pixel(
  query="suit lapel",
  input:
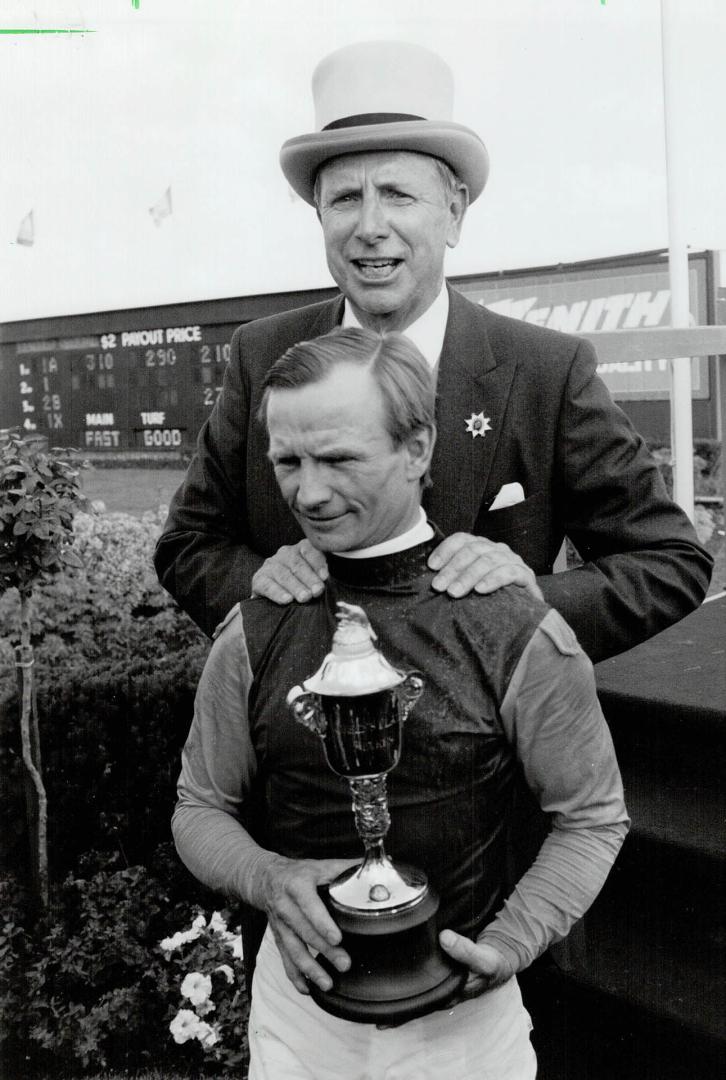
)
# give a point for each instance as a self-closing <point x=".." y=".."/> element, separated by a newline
<point x="470" y="381"/>
<point x="329" y="316"/>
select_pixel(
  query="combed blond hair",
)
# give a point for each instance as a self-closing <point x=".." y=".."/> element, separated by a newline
<point x="400" y="372"/>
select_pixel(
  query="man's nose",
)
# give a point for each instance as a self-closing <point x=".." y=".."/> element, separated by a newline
<point x="313" y="489"/>
<point x="372" y="224"/>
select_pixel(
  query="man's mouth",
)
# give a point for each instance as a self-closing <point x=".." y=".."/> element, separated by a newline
<point x="322" y="521"/>
<point x="376" y="269"/>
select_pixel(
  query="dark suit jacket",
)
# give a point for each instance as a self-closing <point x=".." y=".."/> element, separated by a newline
<point x="554" y="429"/>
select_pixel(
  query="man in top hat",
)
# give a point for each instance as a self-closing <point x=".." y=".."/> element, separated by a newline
<point x="530" y="449"/>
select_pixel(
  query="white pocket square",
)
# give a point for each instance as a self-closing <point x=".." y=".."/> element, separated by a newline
<point x="508" y="495"/>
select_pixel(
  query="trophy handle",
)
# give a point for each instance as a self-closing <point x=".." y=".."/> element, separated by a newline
<point x="408" y="692"/>
<point x="305" y="707"/>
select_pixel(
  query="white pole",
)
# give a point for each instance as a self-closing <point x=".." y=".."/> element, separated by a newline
<point x="681" y="406"/>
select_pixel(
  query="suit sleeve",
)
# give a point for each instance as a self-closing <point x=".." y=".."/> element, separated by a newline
<point x="203" y="557"/>
<point x="643" y="568"/>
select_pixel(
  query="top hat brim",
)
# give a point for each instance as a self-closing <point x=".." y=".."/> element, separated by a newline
<point x="458" y="146"/>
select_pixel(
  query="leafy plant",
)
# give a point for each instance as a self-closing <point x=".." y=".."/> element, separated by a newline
<point x="39" y="493"/>
<point x="112" y="735"/>
<point x="103" y="985"/>
<point x="213" y="1011"/>
<point x="118" y="663"/>
<point x="89" y="988"/>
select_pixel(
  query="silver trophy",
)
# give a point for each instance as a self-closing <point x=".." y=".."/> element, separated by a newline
<point x="357" y="703"/>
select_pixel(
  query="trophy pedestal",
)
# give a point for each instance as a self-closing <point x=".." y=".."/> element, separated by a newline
<point x="398" y="969"/>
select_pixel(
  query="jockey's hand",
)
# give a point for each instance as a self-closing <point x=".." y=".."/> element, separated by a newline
<point x="487" y="967"/>
<point x="299" y="919"/>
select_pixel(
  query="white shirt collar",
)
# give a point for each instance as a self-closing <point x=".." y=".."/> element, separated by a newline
<point x="420" y="532"/>
<point x="427" y="332"/>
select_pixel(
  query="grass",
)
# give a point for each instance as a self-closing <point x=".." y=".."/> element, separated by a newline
<point x="132" y="491"/>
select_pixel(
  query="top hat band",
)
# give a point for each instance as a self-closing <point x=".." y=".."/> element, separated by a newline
<point x="362" y="119"/>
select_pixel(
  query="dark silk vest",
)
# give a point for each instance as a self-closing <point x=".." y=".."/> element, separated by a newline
<point x="450" y="794"/>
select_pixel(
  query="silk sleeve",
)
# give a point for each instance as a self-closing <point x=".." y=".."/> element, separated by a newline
<point x="218" y="767"/>
<point x="553" y="719"/>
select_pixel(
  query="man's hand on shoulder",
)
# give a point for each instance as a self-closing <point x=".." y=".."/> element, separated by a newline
<point x="487" y="967"/>
<point x="466" y="563"/>
<point x="299" y="920"/>
<point x="295" y="572"/>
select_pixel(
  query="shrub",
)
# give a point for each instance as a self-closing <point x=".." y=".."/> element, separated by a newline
<point x="111" y="603"/>
<point x="210" y="976"/>
<point x="118" y="664"/>
<point x="111" y="735"/>
<point x="96" y="989"/>
<point x="39" y="495"/>
<point x="15" y="950"/>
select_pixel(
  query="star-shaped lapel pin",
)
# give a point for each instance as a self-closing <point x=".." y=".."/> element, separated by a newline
<point x="478" y="424"/>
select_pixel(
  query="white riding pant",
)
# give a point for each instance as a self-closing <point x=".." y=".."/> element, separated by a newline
<point x="291" y="1038"/>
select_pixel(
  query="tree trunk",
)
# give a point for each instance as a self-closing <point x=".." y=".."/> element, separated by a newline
<point x="24" y="661"/>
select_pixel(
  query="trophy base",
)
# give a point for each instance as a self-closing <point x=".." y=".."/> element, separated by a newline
<point x="398" y="969"/>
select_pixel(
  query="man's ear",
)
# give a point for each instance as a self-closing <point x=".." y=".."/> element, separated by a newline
<point x="420" y="448"/>
<point x="457" y="211"/>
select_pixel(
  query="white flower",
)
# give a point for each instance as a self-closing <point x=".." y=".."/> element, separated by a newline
<point x="217" y="924"/>
<point x="196" y="987"/>
<point x="235" y="943"/>
<point x="207" y="1035"/>
<point x="227" y="972"/>
<point x="170" y="944"/>
<point x="182" y="937"/>
<point x="185" y="1026"/>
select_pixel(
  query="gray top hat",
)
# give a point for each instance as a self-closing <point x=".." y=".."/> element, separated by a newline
<point x="384" y="95"/>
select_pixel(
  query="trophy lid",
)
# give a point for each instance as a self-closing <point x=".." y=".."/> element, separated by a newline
<point x="354" y="666"/>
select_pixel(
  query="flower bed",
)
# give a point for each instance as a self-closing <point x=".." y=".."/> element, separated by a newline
<point x="131" y="941"/>
<point x="109" y="982"/>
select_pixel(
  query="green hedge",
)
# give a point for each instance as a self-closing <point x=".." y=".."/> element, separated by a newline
<point x="93" y="986"/>
<point x="117" y="665"/>
<point x="89" y="986"/>
<point x="111" y="737"/>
